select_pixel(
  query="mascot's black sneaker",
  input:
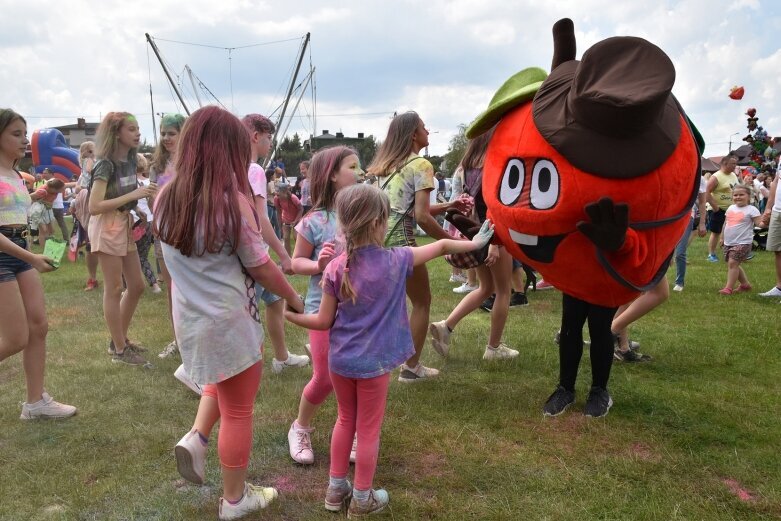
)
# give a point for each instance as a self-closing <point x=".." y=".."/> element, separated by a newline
<point x="598" y="403"/>
<point x="558" y="402"/>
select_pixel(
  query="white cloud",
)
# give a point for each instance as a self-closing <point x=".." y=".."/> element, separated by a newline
<point x="443" y="58"/>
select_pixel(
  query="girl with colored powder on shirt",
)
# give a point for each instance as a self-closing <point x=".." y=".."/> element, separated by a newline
<point x="330" y="170"/>
<point x="23" y="324"/>
<point x="161" y="171"/>
<point x="365" y="307"/>
<point x="114" y="193"/>
<point x="408" y="180"/>
<point x="215" y="253"/>
<point x="289" y="212"/>
<point x="87" y="161"/>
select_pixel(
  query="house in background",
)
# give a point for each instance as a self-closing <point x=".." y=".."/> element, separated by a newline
<point x="77" y="134"/>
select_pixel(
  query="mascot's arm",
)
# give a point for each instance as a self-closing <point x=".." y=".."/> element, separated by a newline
<point x="609" y="231"/>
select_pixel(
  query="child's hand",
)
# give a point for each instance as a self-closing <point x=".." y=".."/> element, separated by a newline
<point x="295" y="306"/>
<point x="42" y="263"/>
<point x="325" y="256"/>
<point x="483" y="237"/>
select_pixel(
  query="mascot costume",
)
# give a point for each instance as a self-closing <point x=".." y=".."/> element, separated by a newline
<point x="589" y="178"/>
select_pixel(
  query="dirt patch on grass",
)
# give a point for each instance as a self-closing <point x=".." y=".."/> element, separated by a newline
<point x="63" y="316"/>
<point x="644" y="452"/>
<point x="738" y="490"/>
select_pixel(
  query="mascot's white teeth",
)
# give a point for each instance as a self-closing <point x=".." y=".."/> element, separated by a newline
<point x="522" y="238"/>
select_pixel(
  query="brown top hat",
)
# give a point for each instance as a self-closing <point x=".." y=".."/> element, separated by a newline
<point x="611" y="114"/>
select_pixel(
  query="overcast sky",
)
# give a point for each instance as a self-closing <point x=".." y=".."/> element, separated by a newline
<point x="444" y="59"/>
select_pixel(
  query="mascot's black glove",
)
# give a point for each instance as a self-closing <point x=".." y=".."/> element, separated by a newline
<point x="609" y="222"/>
<point x="468" y="227"/>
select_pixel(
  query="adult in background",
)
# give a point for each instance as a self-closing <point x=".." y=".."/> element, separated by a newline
<point x="772" y="217"/>
<point x="23" y="324"/>
<point x="718" y="194"/>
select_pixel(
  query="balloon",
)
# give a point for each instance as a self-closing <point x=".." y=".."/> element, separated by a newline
<point x="737" y="92"/>
<point x="751" y="112"/>
<point x="50" y="150"/>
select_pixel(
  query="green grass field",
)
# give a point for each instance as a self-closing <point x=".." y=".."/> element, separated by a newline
<point x="692" y="435"/>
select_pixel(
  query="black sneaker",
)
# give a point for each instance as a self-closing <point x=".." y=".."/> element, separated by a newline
<point x="488" y="304"/>
<point x="634" y="346"/>
<point x="630" y="356"/>
<point x="598" y="403"/>
<point x="518" y="299"/>
<point x="558" y="402"/>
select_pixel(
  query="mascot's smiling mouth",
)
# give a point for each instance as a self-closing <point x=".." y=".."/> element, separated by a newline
<point x="540" y="249"/>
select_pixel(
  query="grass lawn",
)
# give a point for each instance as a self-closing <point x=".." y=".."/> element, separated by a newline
<point x="692" y="435"/>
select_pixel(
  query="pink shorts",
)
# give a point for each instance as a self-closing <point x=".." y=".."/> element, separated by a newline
<point x="110" y="233"/>
<point x="737" y="252"/>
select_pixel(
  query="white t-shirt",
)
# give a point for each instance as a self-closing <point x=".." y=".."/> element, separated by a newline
<point x="58" y="203"/>
<point x="777" y="203"/>
<point x="142" y="203"/>
<point x="739" y="224"/>
<point x="257" y="180"/>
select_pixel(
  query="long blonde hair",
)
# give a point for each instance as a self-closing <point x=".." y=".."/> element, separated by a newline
<point x="360" y="209"/>
<point x="397" y="146"/>
<point x="107" y="137"/>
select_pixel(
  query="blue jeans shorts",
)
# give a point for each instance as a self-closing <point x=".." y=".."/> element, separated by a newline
<point x="10" y="266"/>
<point x="264" y="295"/>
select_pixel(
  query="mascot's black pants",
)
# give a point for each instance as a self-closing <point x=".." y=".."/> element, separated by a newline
<point x="574" y="315"/>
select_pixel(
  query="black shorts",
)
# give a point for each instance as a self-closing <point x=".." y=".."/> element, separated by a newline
<point x="715" y="221"/>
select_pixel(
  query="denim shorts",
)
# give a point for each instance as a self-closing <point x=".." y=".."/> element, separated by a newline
<point x="264" y="295"/>
<point x="10" y="266"/>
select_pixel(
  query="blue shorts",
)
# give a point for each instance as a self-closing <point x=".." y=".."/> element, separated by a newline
<point x="10" y="266"/>
<point x="262" y="294"/>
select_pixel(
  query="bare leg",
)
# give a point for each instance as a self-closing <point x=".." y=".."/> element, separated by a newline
<point x="500" y="273"/>
<point x="111" y="267"/>
<point x="131" y="269"/>
<point x="275" y="325"/>
<point x="92" y="265"/>
<point x="419" y="293"/>
<point x="13" y="320"/>
<point x="34" y="354"/>
<point x="642" y="305"/>
<point x="713" y="242"/>
<point x="207" y="415"/>
<point x="473" y="299"/>
<point x="733" y="273"/>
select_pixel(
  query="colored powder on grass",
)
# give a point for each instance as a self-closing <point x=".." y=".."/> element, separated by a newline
<point x="735" y="488"/>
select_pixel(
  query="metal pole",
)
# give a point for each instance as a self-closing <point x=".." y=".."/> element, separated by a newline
<point x="192" y="81"/>
<point x="287" y="98"/>
<point x="303" y="91"/>
<point x="167" y="74"/>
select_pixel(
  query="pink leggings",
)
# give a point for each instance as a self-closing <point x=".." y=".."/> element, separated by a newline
<point x="236" y="400"/>
<point x="319" y="387"/>
<point x="361" y="410"/>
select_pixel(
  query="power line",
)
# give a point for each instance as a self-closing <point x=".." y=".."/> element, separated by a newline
<point x="228" y="48"/>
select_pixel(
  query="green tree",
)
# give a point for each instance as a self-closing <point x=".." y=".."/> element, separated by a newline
<point x="436" y="162"/>
<point x="291" y="152"/>
<point x="366" y="150"/>
<point x="455" y="151"/>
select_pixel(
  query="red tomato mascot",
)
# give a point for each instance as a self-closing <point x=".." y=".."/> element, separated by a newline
<point x="591" y="183"/>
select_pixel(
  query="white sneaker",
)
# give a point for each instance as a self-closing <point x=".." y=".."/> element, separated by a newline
<point x="464" y="288"/>
<point x="170" y="350"/>
<point x="500" y="352"/>
<point x="355" y="448"/>
<point x="254" y="498"/>
<point x="409" y="375"/>
<point x="183" y="377"/>
<point x="292" y="361"/>
<point x="458" y="278"/>
<point x="46" y="407"/>
<point x="308" y="349"/>
<point x="156" y="288"/>
<point x="775" y="292"/>
<point x="678" y="288"/>
<point x="300" y="445"/>
<point x="190" y="455"/>
<point x="440" y="337"/>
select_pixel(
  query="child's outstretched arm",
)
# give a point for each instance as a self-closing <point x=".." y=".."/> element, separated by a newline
<point x="319" y="321"/>
<point x="423" y="254"/>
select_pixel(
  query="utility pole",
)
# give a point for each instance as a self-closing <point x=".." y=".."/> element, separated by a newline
<point x="167" y="74"/>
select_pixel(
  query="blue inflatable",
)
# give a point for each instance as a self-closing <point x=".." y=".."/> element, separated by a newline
<point x="50" y="150"/>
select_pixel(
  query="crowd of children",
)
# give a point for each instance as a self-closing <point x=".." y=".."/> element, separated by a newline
<point x="205" y="207"/>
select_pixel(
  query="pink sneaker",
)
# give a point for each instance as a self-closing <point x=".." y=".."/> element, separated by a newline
<point x="726" y="291"/>
<point x="744" y="288"/>
<point x="543" y="285"/>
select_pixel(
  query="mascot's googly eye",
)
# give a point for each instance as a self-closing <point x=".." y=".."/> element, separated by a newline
<point x="512" y="182"/>
<point x="545" y="185"/>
